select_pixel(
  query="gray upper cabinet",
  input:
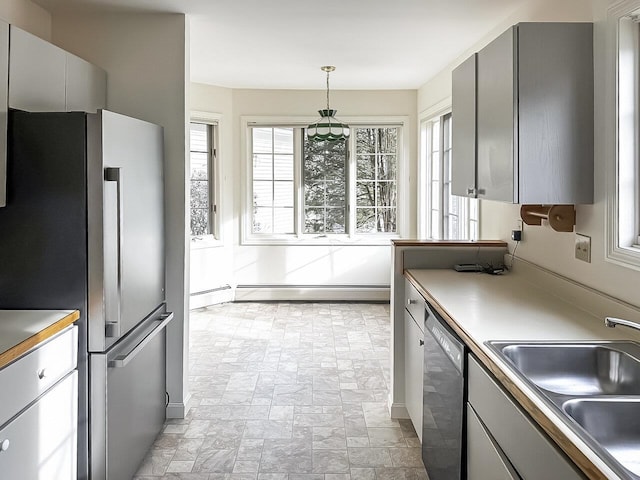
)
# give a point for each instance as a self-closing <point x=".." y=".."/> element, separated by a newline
<point x="86" y="86"/>
<point x="36" y="73"/>
<point x="4" y="93"/>
<point x="463" y="113"/>
<point x="534" y="113"/>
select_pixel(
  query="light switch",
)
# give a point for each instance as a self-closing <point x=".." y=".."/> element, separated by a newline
<point x="583" y="248"/>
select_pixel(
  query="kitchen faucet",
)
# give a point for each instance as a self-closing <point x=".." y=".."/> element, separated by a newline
<point x="611" y="322"/>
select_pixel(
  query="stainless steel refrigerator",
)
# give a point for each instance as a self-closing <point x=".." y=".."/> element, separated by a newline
<point x="84" y="228"/>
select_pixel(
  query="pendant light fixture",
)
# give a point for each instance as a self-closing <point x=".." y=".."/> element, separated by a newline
<point x="328" y="127"/>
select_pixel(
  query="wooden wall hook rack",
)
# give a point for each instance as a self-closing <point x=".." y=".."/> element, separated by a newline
<point x="562" y="218"/>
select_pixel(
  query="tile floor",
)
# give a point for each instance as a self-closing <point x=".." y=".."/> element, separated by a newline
<point x="288" y="391"/>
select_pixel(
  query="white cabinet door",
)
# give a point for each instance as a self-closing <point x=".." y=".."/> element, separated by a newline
<point x="463" y="134"/>
<point x="496" y="119"/>
<point x="413" y="363"/>
<point x="36" y="74"/>
<point x="41" y="443"/>
<point x="86" y="86"/>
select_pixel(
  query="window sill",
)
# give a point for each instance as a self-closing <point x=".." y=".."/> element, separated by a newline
<point x="322" y="240"/>
<point x="205" y="241"/>
<point x="625" y="256"/>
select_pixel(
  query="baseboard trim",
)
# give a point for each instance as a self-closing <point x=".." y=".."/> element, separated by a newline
<point x="312" y="293"/>
<point x="179" y="409"/>
<point x="211" y="297"/>
<point x="398" y="410"/>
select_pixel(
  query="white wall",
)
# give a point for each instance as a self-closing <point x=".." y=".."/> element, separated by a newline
<point x="27" y="16"/>
<point x="146" y="59"/>
<point x="302" y="265"/>
<point x="541" y="245"/>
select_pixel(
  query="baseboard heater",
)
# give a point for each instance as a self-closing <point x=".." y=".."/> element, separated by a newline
<point x="212" y="290"/>
<point x="338" y="292"/>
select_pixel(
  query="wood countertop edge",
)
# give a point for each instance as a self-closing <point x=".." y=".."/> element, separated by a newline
<point x="44" y="334"/>
<point x="565" y="444"/>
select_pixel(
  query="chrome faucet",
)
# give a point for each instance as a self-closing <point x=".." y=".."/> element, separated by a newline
<point x="611" y="322"/>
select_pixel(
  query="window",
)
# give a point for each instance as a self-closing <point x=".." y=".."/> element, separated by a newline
<point x="449" y="217"/>
<point x="623" y="189"/>
<point x="303" y="189"/>
<point x="202" y="157"/>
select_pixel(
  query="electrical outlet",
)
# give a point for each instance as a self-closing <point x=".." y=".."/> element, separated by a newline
<point x="583" y="248"/>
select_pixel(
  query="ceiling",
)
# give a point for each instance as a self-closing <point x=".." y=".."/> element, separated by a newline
<point x="281" y="44"/>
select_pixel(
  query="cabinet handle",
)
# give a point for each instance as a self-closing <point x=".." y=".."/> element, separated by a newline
<point x="4" y="445"/>
<point x="481" y="191"/>
<point x="421" y="342"/>
<point x="411" y="301"/>
<point x="471" y="191"/>
<point x="42" y="373"/>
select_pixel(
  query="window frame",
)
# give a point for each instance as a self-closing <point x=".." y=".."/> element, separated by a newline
<point x="622" y="212"/>
<point x="299" y="237"/>
<point x="424" y="222"/>
<point x="214" y="120"/>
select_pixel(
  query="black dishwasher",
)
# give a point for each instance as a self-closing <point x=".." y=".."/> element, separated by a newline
<point x="443" y="422"/>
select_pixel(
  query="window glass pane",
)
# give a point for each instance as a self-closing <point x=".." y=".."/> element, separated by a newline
<point x="435" y="224"/>
<point x="387" y="140"/>
<point x="386" y="194"/>
<point x="435" y="196"/>
<point x="262" y="220"/>
<point x="199" y="166"/>
<point x="386" y="167"/>
<point x="283" y="220"/>
<point x="365" y="194"/>
<point x="200" y="189"/>
<point x="262" y="193"/>
<point x="473" y="209"/>
<point x="262" y="140"/>
<point x="283" y="194"/>
<point x="454" y="233"/>
<point x="366" y="167"/>
<point x="199" y="222"/>
<point x="199" y="138"/>
<point x="263" y="167"/>
<point x="324" y="182"/>
<point x="435" y="166"/>
<point x="283" y="140"/>
<point x="454" y="204"/>
<point x="199" y="194"/>
<point x="386" y="220"/>
<point x="283" y="167"/>
<point x="365" y="220"/>
<point x="365" y="140"/>
<point x="435" y="136"/>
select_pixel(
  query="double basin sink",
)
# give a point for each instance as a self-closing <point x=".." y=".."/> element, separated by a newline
<point x="595" y="387"/>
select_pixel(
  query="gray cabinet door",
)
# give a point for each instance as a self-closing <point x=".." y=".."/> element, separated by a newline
<point x="463" y="114"/>
<point x="4" y="92"/>
<point x="86" y="86"/>
<point x="497" y="119"/>
<point x="36" y="74"/>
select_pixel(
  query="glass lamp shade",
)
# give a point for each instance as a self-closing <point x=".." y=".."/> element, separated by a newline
<point x="328" y="127"/>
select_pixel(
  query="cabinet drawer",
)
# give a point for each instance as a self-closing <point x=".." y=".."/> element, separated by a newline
<point x="505" y="421"/>
<point x="31" y="375"/>
<point x="41" y="443"/>
<point x="414" y="303"/>
<point x="485" y="459"/>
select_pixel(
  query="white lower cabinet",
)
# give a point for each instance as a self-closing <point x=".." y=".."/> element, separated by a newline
<point x="40" y="443"/>
<point x="413" y="362"/>
<point x="485" y="458"/>
<point x="531" y="453"/>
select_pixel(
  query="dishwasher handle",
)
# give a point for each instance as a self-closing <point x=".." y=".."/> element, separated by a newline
<point x="123" y="358"/>
<point x="450" y="344"/>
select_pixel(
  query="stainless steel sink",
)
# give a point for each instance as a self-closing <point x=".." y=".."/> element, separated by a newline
<point x="593" y="386"/>
<point x="577" y="369"/>
<point x="612" y="423"/>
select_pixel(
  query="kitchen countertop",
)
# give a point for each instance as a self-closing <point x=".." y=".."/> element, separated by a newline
<point x="21" y="330"/>
<point x="483" y="307"/>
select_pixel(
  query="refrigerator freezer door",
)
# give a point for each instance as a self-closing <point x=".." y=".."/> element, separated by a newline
<point x="126" y="225"/>
<point x="128" y="400"/>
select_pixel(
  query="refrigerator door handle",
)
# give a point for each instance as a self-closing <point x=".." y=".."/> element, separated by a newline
<point x="121" y="359"/>
<point x="113" y="306"/>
